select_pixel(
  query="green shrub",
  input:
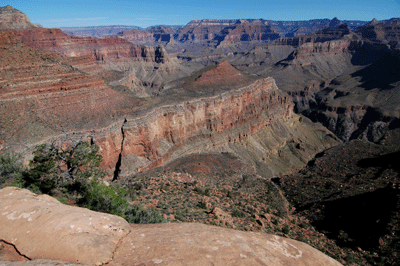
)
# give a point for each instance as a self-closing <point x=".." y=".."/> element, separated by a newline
<point x="99" y="197"/>
<point x="139" y="215"/>
<point x="238" y="214"/>
<point x="286" y="229"/>
<point x="202" y="204"/>
<point x="205" y="192"/>
<point x="11" y="170"/>
<point x="304" y="225"/>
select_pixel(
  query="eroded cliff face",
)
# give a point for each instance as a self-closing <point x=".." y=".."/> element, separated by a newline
<point x="142" y="70"/>
<point x="211" y="32"/>
<point x="254" y="122"/>
<point x="42" y="94"/>
<point x="344" y="84"/>
<point x="111" y="48"/>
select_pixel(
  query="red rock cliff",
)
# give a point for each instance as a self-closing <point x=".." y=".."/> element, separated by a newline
<point x="111" y="48"/>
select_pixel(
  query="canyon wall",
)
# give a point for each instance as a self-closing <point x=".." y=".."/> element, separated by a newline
<point x="43" y="94"/>
<point x="225" y="32"/>
<point x="344" y="84"/>
<point x="111" y="48"/>
<point x="140" y="69"/>
<point x="221" y="123"/>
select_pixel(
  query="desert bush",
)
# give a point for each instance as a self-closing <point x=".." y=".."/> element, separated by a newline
<point x="205" y="192"/>
<point x="99" y="197"/>
<point x="238" y="214"/>
<point x="202" y="204"/>
<point x="286" y="229"/>
<point x="11" y="170"/>
<point x="138" y="215"/>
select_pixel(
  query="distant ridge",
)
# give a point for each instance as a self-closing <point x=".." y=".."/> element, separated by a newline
<point x="98" y="31"/>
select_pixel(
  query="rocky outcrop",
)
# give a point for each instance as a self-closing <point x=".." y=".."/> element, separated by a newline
<point x="40" y="227"/>
<point x="214" y="123"/>
<point x="11" y="18"/>
<point x="198" y="244"/>
<point x="152" y="139"/>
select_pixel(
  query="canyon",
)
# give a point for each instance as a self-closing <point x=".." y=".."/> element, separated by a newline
<point x="262" y="105"/>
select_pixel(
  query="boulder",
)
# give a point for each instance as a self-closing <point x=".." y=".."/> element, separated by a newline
<point x="198" y="244"/>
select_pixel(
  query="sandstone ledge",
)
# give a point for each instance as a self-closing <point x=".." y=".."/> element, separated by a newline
<point x="40" y="227"/>
<point x="43" y="229"/>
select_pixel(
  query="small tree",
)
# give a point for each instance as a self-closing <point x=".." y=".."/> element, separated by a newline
<point x="63" y="165"/>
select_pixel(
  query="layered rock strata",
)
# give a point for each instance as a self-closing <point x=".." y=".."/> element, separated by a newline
<point x="344" y="84"/>
<point x="224" y="32"/>
<point x="40" y="227"/>
<point x="141" y="69"/>
<point x="42" y="94"/>
<point x="111" y="48"/>
<point x="224" y="122"/>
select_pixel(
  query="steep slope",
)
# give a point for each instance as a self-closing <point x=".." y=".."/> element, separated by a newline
<point x="140" y="69"/>
<point x="353" y="184"/>
<point x="255" y="121"/>
<point x="348" y="85"/>
<point x="43" y="94"/>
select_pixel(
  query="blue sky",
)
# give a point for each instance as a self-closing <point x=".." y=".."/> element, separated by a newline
<point x="68" y="13"/>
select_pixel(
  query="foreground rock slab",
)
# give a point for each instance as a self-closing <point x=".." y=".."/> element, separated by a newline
<point x="199" y="244"/>
<point x="40" y="227"/>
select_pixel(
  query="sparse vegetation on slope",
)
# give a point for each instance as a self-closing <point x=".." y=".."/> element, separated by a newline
<point x="71" y="173"/>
